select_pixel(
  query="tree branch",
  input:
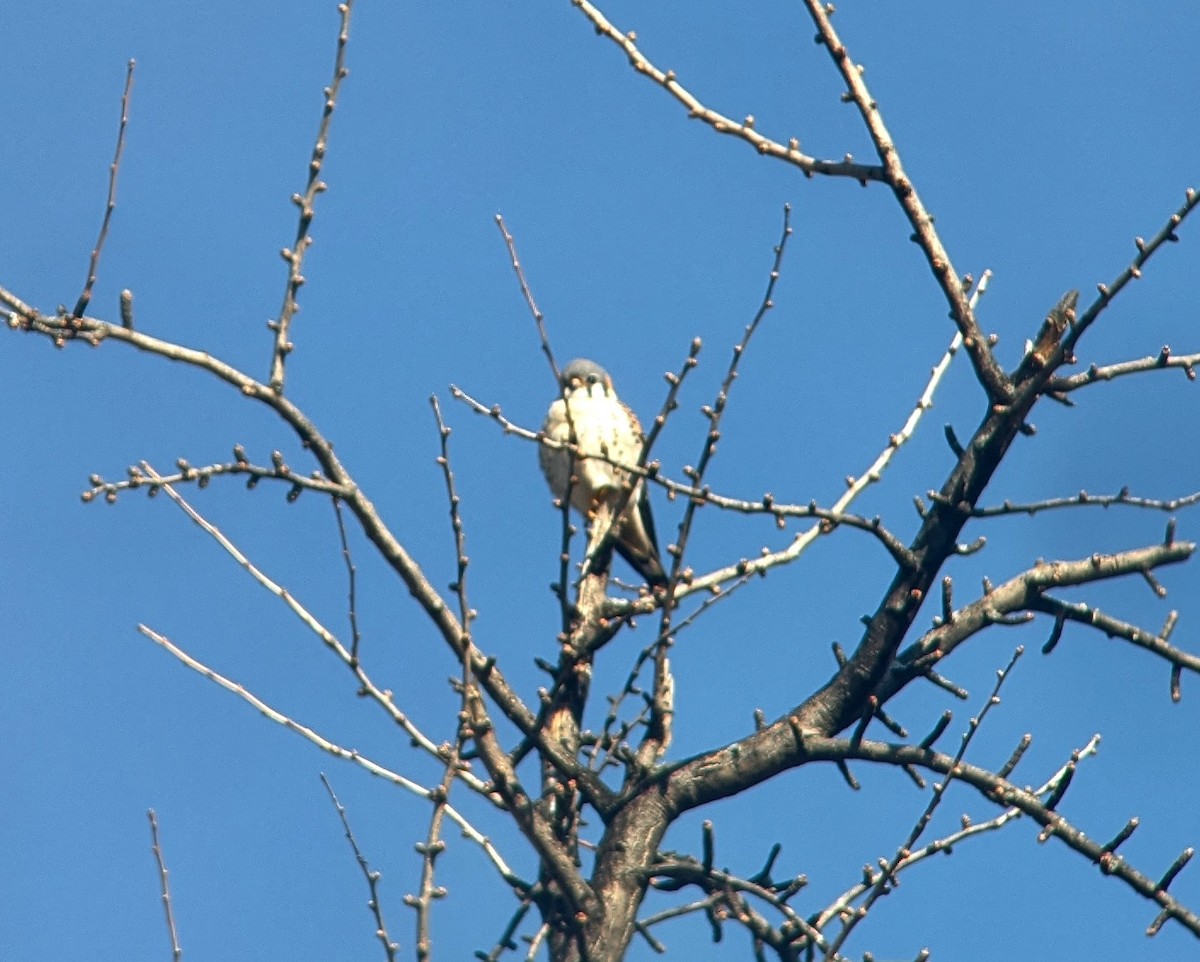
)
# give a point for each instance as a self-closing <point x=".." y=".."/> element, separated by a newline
<point x="719" y="122"/>
<point x="991" y="376"/>
<point x="114" y="168"/>
<point x="294" y="255"/>
<point x="374" y="904"/>
<point x="336" y="750"/>
<point x="164" y="886"/>
<point x="1027" y="592"/>
<point x="1002" y="792"/>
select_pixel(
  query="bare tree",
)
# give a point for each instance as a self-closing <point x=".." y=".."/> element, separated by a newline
<point x="592" y="784"/>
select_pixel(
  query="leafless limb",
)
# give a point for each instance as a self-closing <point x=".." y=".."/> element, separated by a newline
<point x="111" y="204"/>
<point x="988" y="371"/>
<point x="1115" y="628"/>
<point x="744" y="130"/>
<point x="306" y="203"/>
<point x="434" y="844"/>
<point x="1028" y="592"/>
<point x="346" y="754"/>
<point x="92" y="331"/>
<point x="1002" y="792"/>
<point x="567" y="528"/>
<point x="536" y="941"/>
<point x="946" y="844"/>
<point x="924" y="403"/>
<point x="670" y="404"/>
<point x="797" y="935"/>
<point x="164" y="886"/>
<point x="1083" y="499"/>
<point x="505" y="943"/>
<point x="716" y="410"/>
<point x="351" y="580"/>
<point x="465" y="613"/>
<point x="887" y="874"/>
<point x="367" y="686"/>
<point x="203" y="476"/>
<point x="657" y="736"/>
<point x="538" y="317"/>
<point x="1145" y="250"/>
<point x="390" y="948"/>
<point x="1096" y="374"/>
<point x="429" y="850"/>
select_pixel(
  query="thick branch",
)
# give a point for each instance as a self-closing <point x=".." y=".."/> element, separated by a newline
<point x="1026" y="592"/>
<point x="1004" y="793"/>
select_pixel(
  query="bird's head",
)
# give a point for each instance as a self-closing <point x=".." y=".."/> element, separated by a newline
<point x="584" y="374"/>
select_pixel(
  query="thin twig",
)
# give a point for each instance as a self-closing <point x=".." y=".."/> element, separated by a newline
<point x="1145" y="250"/>
<point x="164" y="886"/>
<point x="351" y="580"/>
<point x="716" y="410"/>
<point x="429" y="850"/>
<point x="390" y="948"/>
<point x="465" y="613"/>
<point x="538" y="317"/>
<point x="1083" y="499"/>
<point x="1164" y="360"/>
<point x="946" y="844"/>
<point x="1002" y="792"/>
<point x="1092" y="617"/>
<point x="111" y="204"/>
<point x="658" y="728"/>
<point x="294" y="255"/>
<point x="505" y="943"/>
<point x="567" y="529"/>
<point x="434" y="845"/>
<point x="367" y="686"/>
<point x="887" y="874"/>
<point x="346" y="754"/>
<point x="744" y="130"/>
<point x="202" y="476"/>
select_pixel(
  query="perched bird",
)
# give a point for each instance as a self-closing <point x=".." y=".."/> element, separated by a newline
<point x="602" y="426"/>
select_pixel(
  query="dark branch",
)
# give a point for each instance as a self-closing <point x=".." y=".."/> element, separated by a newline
<point x="114" y="168"/>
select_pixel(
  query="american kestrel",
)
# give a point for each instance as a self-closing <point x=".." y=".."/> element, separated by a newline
<point x="603" y="426"/>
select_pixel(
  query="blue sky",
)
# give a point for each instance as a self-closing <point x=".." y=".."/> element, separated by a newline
<point x="1042" y="141"/>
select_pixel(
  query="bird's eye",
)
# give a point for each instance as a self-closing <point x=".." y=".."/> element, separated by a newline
<point x="592" y="379"/>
